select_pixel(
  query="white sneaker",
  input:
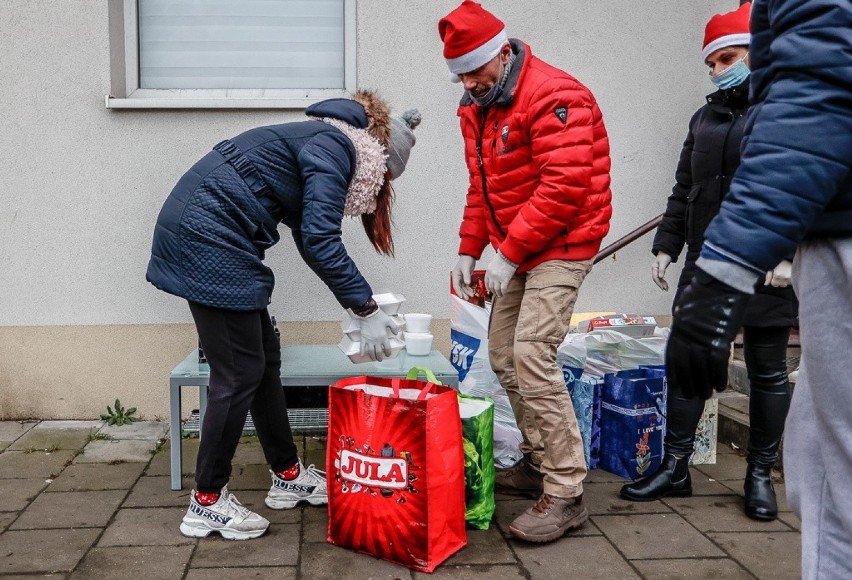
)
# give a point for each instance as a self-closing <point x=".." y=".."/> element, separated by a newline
<point x="227" y="516"/>
<point x="309" y="486"/>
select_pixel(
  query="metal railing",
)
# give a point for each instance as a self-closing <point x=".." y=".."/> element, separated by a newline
<point x="628" y="239"/>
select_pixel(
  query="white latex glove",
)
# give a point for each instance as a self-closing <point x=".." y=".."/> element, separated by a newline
<point x="780" y="277"/>
<point x="375" y="340"/>
<point x="499" y="273"/>
<point x="461" y="276"/>
<point x="658" y="270"/>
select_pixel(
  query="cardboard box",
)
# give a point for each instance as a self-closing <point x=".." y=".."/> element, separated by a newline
<point x="630" y="324"/>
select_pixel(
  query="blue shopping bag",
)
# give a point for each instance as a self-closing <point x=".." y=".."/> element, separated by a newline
<point x="633" y="418"/>
<point x="585" y="391"/>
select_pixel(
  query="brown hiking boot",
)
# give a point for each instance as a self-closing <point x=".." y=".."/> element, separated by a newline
<point x="550" y="518"/>
<point x="521" y="479"/>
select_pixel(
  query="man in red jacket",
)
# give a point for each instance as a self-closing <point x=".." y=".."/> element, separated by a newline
<point x="538" y="156"/>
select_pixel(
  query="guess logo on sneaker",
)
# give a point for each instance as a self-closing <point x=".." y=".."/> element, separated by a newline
<point x="385" y="472"/>
<point x="285" y="485"/>
<point x="202" y="511"/>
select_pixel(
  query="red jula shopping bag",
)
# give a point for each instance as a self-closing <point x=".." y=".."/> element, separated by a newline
<point x="395" y="468"/>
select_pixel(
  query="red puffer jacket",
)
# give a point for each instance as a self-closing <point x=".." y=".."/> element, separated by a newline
<point x="539" y="168"/>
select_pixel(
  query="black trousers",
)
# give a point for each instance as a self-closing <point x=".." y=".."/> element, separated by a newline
<point x="765" y="350"/>
<point x="245" y="366"/>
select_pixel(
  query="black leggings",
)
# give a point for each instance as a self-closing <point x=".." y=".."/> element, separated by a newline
<point x="245" y="365"/>
<point x="765" y="350"/>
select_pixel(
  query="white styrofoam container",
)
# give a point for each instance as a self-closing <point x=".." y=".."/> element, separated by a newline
<point x="352" y="349"/>
<point x="390" y="303"/>
<point x="352" y="329"/>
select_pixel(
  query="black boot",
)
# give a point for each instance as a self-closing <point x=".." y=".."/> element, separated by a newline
<point x="760" y="502"/>
<point x="670" y="480"/>
<point x="769" y="401"/>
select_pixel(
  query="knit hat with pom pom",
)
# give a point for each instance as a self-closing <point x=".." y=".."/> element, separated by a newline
<point x="402" y="140"/>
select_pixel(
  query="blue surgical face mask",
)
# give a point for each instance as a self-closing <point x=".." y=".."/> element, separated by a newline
<point x="733" y="76"/>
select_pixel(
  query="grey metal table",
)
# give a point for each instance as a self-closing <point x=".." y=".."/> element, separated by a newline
<point x="301" y="366"/>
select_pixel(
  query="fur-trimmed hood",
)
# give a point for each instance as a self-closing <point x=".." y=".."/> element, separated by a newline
<point x="365" y="110"/>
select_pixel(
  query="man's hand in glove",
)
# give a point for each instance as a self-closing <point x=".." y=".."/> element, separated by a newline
<point x="658" y="270"/>
<point x="375" y="340"/>
<point x="499" y="273"/>
<point x="461" y="276"/>
<point x="706" y="320"/>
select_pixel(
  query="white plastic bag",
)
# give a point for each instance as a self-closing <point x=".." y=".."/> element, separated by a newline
<point x="469" y="355"/>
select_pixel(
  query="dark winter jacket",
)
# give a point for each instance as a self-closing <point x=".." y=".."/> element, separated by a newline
<point x="708" y="160"/>
<point x="794" y="182"/>
<point x="222" y="215"/>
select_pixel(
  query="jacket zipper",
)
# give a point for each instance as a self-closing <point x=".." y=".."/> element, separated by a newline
<point x="482" y="173"/>
<point x="724" y="150"/>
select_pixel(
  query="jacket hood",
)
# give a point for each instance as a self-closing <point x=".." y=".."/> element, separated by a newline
<point x="365" y="110"/>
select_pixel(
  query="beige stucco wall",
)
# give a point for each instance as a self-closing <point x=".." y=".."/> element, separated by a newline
<point x="82" y="185"/>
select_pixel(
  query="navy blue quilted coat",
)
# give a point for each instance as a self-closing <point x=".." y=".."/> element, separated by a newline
<point x="794" y="180"/>
<point x="222" y="215"/>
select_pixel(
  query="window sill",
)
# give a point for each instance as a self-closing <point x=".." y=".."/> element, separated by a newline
<point x="213" y="102"/>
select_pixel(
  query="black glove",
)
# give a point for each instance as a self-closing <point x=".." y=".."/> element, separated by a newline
<point x="706" y="320"/>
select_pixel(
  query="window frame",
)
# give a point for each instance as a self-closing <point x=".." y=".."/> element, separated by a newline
<point x="124" y="73"/>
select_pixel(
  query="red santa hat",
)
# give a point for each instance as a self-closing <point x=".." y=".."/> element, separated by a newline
<point x="729" y="29"/>
<point x="472" y="36"/>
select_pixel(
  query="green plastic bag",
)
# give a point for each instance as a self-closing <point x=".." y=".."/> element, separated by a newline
<point x="477" y="418"/>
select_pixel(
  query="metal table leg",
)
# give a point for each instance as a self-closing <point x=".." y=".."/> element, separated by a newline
<point x="175" y="433"/>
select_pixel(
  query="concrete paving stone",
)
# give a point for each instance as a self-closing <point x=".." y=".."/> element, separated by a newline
<point x="277" y="572"/>
<point x="144" y="430"/>
<point x="315" y="448"/>
<point x="507" y="511"/>
<point x="601" y="476"/>
<point x="145" y="527"/>
<point x="704" y="485"/>
<point x="603" y="498"/>
<point x="6" y="518"/>
<point x="504" y="572"/>
<point x="327" y="562"/>
<point x="16" y="494"/>
<point x="52" y="439"/>
<point x="656" y="536"/>
<point x="35" y="465"/>
<point x="678" y="569"/>
<point x="253" y="500"/>
<point x="96" y="477"/>
<point x="161" y="461"/>
<point x="720" y="514"/>
<point x="32" y="551"/>
<point x="588" y="558"/>
<point x="11" y="430"/>
<point x="772" y="555"/>
<point x="152" y="562"/>
<point x="254" y="477"/>
<point x="249" y="453"/>
<point x="314" y="524"/>
<point x="86" y="426"/>
<point x="791" y="520"/>
<point x="483" y="547"/>
<point x="130" y="450"/>
<point x="729" y="466"/>
<point x="70" y="509"/>
<point x="278" y="547"/>
<point x="156" y="492"/>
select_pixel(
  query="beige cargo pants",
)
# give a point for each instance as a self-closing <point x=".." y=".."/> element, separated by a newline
<point x="527" y="325"/>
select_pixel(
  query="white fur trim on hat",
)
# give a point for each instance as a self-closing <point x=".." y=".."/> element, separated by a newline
<point x="740" y="39"/>
<point x="478" y="56"/>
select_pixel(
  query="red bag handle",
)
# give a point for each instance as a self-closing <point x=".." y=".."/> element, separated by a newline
<point x="394" y="384"/>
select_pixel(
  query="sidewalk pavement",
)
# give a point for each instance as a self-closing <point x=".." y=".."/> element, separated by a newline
<point x="81" y="500"/>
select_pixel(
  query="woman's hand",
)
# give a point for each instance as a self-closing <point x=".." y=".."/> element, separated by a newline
<point x="375" y="340"/>
<point x="658" y="270"/>
<point x="780" y="277"/>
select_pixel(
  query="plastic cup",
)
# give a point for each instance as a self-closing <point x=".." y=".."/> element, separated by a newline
<point x="418" y="323"/>
<point x="418" y="343"/>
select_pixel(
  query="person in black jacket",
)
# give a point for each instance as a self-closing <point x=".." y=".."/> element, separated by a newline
<point x="208" y="248"/>
<point x="711" y="154"/>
